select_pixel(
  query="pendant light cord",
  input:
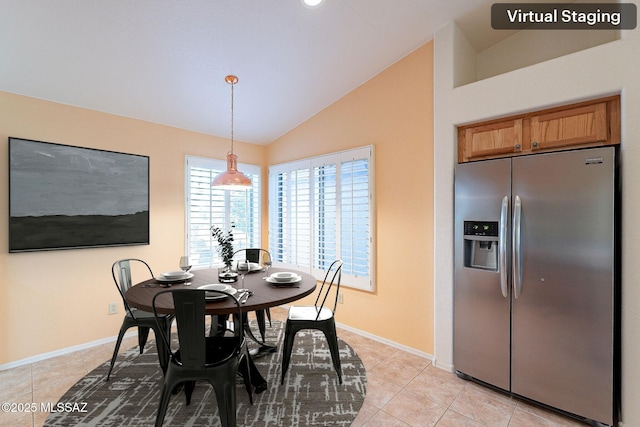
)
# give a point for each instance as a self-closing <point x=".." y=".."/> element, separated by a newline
<point x="232" y="85"/>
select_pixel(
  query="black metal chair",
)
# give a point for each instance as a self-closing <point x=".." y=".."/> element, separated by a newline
<point x="316" y="317"/>
<point x="257" y="256"/>
<point x="144" y="320"/>
<point x="216" y="359"/>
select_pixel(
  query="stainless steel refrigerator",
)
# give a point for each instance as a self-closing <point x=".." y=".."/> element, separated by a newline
<point x="536" y="279"/>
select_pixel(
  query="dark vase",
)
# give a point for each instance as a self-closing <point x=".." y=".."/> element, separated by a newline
<point x="227" y="275"/>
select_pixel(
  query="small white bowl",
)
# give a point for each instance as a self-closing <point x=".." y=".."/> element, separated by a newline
<point x="284" y="276"/>
<point x="173" y="274"/>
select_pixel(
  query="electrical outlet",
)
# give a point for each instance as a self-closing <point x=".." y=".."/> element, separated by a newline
<point x="113" y="308"/>
<point x="340" y="298"/>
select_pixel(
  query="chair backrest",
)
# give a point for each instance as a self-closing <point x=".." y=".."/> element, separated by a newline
<point x="121" y="272"/>
<point x="257" y="255"/>
<point x="189" y="307"/>
<point x="328" y="285"/>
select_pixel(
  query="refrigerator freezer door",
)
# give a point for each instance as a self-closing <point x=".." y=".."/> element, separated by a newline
<point x="563" y="336"/>
<point x="481" y="312"/>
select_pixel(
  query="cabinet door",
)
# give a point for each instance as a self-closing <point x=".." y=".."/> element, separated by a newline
<point x="491" y="140"/>
<point x="576" y="126"/>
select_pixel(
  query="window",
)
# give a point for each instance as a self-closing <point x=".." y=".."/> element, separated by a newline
<point x="320" y="209"/>
<point x="206" y="206"/>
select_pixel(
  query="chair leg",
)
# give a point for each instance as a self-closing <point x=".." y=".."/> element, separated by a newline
<point x="189" y="386"/>
<point x="167" y="325"/>
<point x="332" y="340"/>
<point x="216" y="328"/>
<point x="226" y="399"/>
<point x="123" y="330"/>
<point x="164" y="401"/>
<point x="261" y="323"/>
<point x="163" y="353"/>
<point x="287" y="348"/>
<point x="143" y="334"/>
<point x="246" y="376"/>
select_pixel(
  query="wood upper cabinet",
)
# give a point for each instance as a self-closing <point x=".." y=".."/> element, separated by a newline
<point x="586" y="124"/>
<point x="576" y="126"/>
<point x="495" y="139"/>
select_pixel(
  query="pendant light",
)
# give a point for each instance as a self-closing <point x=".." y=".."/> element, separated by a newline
<point x="232" y="178"/>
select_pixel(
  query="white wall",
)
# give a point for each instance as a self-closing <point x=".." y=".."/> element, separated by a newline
<point x="534" y="46"/>
<point x="599" y="71"/>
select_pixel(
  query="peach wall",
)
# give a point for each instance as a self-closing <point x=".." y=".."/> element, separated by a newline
<point x="394" y="113"/>
<point x="53" y="300"/>
<point x="58" y="299"/>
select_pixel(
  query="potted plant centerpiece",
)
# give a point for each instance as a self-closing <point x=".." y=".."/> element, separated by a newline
<point x="225" y="250"/>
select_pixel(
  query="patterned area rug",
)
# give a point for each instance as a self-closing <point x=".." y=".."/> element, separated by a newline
<point x="310" y="396"/>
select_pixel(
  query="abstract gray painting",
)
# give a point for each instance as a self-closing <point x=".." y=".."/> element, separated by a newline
<point x="63" y="197"/>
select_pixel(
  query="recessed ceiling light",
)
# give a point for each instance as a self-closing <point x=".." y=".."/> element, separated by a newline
<point x="311" y="3"/>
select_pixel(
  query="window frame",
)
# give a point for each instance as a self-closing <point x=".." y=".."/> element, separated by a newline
<point x="255" y="172"/>
<point x="367" y="283"/>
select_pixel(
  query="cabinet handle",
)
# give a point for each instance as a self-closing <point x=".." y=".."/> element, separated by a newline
<point x="517" y="147"/>
<point x="534" y="145"/>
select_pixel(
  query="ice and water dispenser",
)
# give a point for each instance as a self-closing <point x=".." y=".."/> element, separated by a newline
<point x="481" y="245"/>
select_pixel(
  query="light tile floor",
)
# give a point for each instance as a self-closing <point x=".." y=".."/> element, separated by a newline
<point x="403" y="390"/>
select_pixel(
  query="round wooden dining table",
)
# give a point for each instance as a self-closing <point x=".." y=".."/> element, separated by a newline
<point x="264" y="294"/>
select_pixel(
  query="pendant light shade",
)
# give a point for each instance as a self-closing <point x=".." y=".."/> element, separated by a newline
<point x="232" y="178"/>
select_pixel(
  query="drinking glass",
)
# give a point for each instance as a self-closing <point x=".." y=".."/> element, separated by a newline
<point x="242" y="268"/>
<point x="267" y="265"/>
<point x="185" y="265"/>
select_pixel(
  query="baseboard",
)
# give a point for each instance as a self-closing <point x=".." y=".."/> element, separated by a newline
<point x="386" y="341"/>
<point x="381" y="340"/>
<point x="444" y="367"/>
<point x="63" y="351"/>
<point x="85" y="346"/>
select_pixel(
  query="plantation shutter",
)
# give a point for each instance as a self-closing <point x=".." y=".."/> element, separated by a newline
<point x="320" y="209"/>
<point x="325" y="231"/>
<point x="355" y="217"/>
<point x="289" y="226"/>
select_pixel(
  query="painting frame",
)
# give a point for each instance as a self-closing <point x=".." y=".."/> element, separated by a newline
<point x="70" y="197"/>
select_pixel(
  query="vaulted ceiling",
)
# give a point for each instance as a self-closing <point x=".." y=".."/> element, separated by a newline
<point x="164" y="61"/>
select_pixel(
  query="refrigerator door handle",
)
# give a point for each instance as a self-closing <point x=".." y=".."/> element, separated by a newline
<point x="516" y="247"/>
<point x="502" y="247"/>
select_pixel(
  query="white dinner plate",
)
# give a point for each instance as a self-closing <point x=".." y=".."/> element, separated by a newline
<point x="174" y="279"/>
<point x="217" y="287"/>
<point x="293" y="280"/>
